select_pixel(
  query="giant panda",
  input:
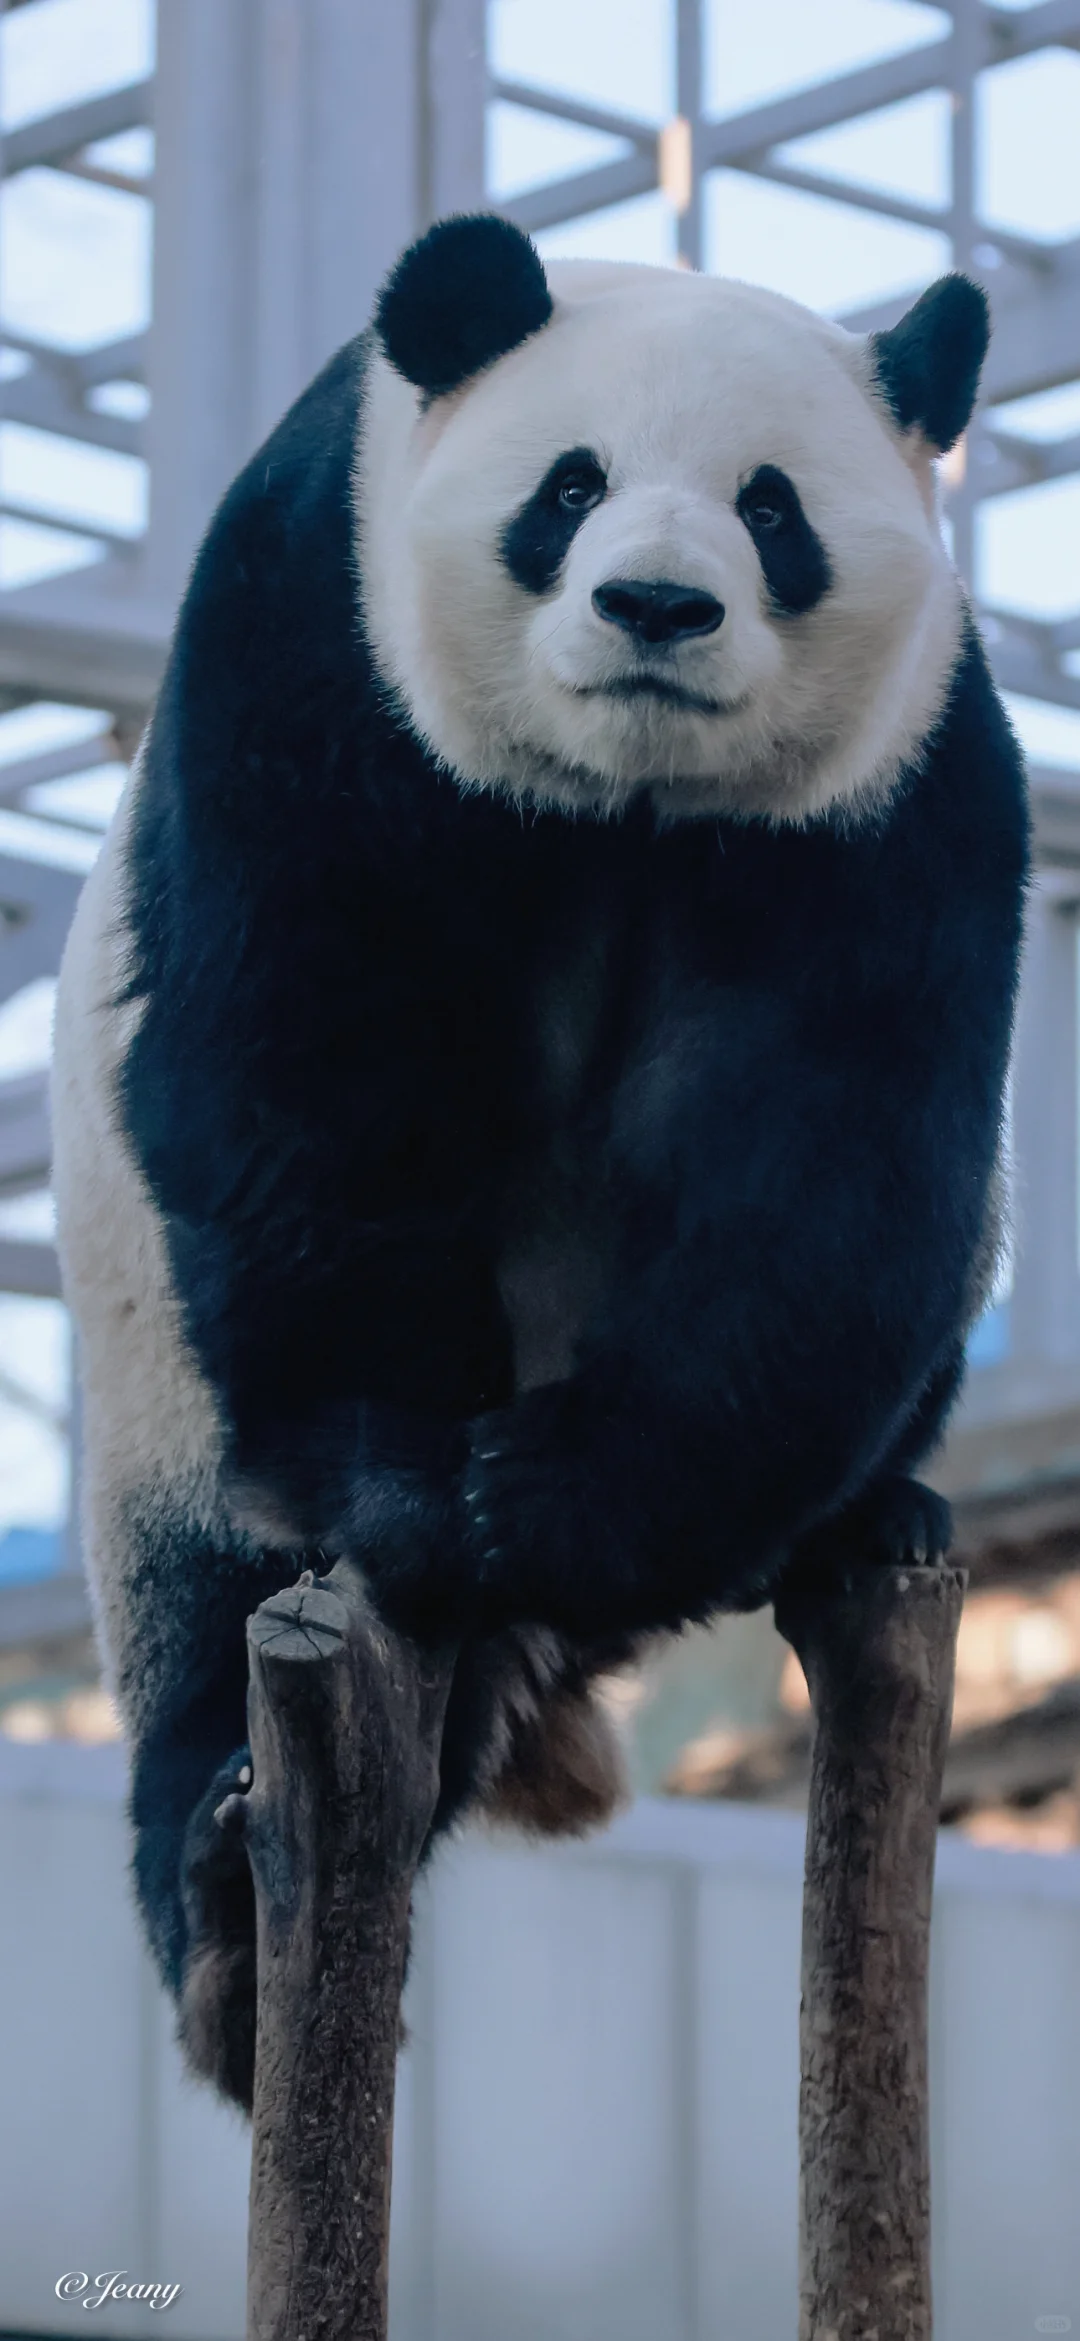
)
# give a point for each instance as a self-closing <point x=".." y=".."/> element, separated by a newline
<point x="530" y="1055"/>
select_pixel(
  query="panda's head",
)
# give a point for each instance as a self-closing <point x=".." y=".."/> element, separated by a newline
<point x="635" y="528"/>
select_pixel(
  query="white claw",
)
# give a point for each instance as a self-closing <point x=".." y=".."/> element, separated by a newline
<point x="245" y="1776"/>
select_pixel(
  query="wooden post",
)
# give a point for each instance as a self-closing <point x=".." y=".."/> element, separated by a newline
<point x="879" y="1656"/>
<point x="345" y="1722"/>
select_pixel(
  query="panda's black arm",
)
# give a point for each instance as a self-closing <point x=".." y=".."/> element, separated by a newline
<point x="761" y="1364"/>
<point x="346" y="1364"/>
<point x="801" y="1164"/>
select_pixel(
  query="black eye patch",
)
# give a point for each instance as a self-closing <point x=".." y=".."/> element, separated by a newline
<point x="535" y="543"/>
<point x="794" y="562"/>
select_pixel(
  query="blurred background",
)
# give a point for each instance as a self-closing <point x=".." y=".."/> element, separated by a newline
<point x="198" y="199"/>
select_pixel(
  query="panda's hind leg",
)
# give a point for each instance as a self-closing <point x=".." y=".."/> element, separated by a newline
<point x="182" y="1670"/>
<point x="217" y="2000"/>
<point x="528" y="1742"/>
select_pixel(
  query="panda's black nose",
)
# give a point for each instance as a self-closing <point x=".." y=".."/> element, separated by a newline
<point x="655" y="611"/>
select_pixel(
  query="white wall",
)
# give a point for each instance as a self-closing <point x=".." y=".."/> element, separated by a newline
<point x="597" y="2112"/>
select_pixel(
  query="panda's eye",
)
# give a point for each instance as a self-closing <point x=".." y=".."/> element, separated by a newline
<point x="795" y="567"/>
<point x="762" y="504"/>
<point x="579" y="491"/>
<point x="535" y="542"/>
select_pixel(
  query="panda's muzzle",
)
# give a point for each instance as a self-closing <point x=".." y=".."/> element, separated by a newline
<point x="656" y="612"/>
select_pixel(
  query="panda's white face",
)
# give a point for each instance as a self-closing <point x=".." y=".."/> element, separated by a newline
<point x="673" y="542"/>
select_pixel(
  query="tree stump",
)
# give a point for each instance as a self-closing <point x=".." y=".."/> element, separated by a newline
<point x="345" y="1722"/>
<point x="879" y="1657"/>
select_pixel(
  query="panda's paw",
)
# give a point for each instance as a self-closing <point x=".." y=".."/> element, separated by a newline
<point x="215" y="1880"/>
<point x="229" y="1814"/>
<point x="521" y="1493"/>
<point x="896" y="1523"/>
<point x="217" y="1994"/>
<point x="901" y="1523"/>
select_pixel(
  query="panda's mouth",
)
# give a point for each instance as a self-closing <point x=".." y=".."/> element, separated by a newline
<point x="652" y="686"/>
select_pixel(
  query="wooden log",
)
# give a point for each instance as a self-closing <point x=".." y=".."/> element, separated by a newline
<point x="345" y="1722"/>
<point x="879" y="1654"/>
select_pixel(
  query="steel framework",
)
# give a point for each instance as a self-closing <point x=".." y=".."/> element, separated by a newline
<point x="298" y="145"/>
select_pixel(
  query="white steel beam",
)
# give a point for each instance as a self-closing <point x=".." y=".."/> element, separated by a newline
<point x="102" y="361"/>
<point x="1036" y="338"/>
<point x="75" y="166"/>
<point x="1010" y="461"/>
<point x="123" y="543"/>
<point x="593" y="190"/>
<point x="824" y="104"/>
<point x="48" y="398"/>
<point x="1046" y="1298"/>
<point x="1024" y="660"/>
<point x="36" y="903"/>
<point x="454" y="95"/>
<point x="53" y="137"/>
<point x="95" y="637"/>
<point x="690" y="223"/>
<point x="300" y="145"/>
<point x="52" y="393"/>
<point x="1055" y="802"/>
<point x="32" y="1269"/>
<point x="57" y="764"/>
<point x="572" y="109"/>
<point x="25" y="1142"/>
<point x="1025" y="251"/>
<point x="1052" y="24"/>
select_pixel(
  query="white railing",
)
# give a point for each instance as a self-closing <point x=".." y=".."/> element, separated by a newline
<point x="596" y="2135"/>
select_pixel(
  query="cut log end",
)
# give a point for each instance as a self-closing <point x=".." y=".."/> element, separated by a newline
<point x="307" y="1622"/>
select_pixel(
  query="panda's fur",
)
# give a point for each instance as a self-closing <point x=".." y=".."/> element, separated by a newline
<point x="527" y="1092"/>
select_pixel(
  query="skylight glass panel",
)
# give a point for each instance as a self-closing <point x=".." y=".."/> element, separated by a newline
<point x="753" y="54"/>
<point x="59" y="52"/>
<point x="1028" y="117"/>
<point x="899" y="150"/>
<point x="75" y="260"/>
<point x="616" y="53"/>
<point x="524" y="149"/>
<point x="815" y="250"/>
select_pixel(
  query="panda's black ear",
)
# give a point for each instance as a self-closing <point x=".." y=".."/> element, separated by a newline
<point x="927" y="367"/>
<point x="469" y="291"/>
